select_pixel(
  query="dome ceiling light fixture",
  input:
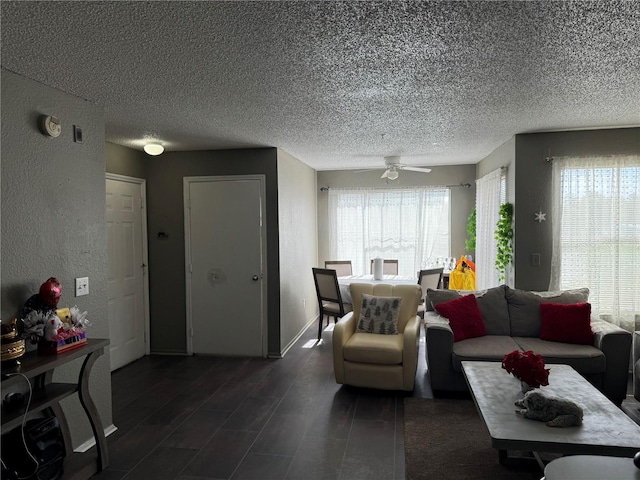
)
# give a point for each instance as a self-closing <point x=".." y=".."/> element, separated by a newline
<point x="153" y="148"/>
<point x="391" y="174"/>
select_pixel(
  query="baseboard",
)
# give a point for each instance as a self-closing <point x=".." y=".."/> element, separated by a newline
<point x="83" y="447"/>
<point x="289" y="345"/>
<point x="160" y="352"/>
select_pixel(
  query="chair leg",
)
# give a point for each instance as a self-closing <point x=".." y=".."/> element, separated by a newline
<point x="320" y="326"/>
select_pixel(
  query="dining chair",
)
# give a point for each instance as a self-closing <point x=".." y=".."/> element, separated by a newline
<point x="430" y="278"/>
<point x="342" y="267"/>
<point x="389" y="267"/>
<point x="329" y="297"/>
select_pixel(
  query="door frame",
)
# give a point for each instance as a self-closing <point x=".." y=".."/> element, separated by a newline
<point x="145" y="250"/>
<point x="263" y="254"/>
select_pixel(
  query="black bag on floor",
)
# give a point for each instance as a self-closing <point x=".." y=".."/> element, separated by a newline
<point x="44" y="440"/>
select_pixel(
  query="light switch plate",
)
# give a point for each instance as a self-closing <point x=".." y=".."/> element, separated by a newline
<point x="535" y="259"/>
<point x="82" y="286"/>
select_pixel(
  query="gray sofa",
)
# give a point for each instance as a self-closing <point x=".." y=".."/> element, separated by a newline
<point x="512" y="322"/>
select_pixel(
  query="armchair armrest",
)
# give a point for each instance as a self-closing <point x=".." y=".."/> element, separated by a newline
<point x="615" y="343"/>
<point x="342" y="332"/>
<point x="410" y="349"/>
<point x="439" y="350"/>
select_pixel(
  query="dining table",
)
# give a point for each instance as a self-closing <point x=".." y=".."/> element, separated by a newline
<point x="346" y="281"/>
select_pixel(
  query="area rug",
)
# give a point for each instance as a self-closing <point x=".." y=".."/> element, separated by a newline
<point x="446" y="439"/>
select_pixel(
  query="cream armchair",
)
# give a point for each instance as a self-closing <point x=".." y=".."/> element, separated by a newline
<point x="387" y="362"/>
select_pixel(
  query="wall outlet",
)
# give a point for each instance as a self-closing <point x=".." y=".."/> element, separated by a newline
<point x="82" y="286"/>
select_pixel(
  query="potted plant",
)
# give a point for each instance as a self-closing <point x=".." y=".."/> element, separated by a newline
<point x="504" y="237"/>
<point x="470" y="242"/>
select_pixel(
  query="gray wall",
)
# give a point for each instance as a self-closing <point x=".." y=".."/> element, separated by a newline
<point x="462" y="199"/>
<point x="503" y="156"/>
<point x="297" y="207"/>
<point x="165" y="213"/>
<point x="53" y="219"/>
<point x="126" y="161"/>
<point x="533" y="190"/>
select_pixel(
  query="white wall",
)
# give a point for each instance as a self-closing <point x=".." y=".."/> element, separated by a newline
<point x="298" y="246"/>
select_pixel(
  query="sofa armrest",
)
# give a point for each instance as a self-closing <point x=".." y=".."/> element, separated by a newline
<point x="342" y="332"/>
<point x="410" y="349"/>
<point x="439" y="350"/>
<point x="615" y="343"/>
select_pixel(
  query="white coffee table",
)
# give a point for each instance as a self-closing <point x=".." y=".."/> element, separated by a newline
<point x="606" y="430"/>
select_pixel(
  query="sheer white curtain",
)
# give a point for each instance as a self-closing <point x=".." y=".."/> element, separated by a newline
<point x="488" y="196"/>
<point x="596" y="232"/>
<point x="408" y="224"/>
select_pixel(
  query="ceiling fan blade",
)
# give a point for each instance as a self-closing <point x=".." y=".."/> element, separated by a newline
<point x="386" y="173"/>
<point x="416" y="169"/>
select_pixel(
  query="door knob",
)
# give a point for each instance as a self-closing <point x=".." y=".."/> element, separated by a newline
<point x="255" y="278"/>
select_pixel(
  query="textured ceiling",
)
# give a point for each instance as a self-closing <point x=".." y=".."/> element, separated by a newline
<point x="445" y="82"/>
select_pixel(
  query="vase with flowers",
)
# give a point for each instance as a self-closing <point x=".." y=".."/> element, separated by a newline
<point x="528" y="367"/>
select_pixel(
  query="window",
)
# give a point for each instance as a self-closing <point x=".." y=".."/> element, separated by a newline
<point x="408" y="224"/>
<point x="490" y="194"/>
<point x="596" y="236"/>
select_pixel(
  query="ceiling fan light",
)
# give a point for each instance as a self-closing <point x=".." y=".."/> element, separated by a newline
<point x="153" y="148"/>
<point x="393" y="174"/>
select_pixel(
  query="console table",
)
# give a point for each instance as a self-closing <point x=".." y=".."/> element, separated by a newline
<point x="47" y="396"/>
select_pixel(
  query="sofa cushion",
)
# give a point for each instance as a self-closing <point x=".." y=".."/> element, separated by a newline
<point x="379" y="314"/>
<point x="492" y="304"/>
<point x="491" y="348"/>
<point x="464" y="317"/>
<point x="524" y="307"/>
<point x="585" y="359"/>
<point x="569" y="323"/>
<point x="376" y="349"/>
<point x="434" y="297"/>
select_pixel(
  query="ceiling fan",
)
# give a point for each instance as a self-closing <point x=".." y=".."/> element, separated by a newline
<point x="393" y="165"/>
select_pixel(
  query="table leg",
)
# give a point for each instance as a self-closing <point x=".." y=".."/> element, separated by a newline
<point x="56" y="410"/>
<point x="505" y="459"/>
<point x="92" y="411"/>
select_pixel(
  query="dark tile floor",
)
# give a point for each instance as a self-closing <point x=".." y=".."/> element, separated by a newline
<point x="245" y="418"/>
<point x="199" y="418"/>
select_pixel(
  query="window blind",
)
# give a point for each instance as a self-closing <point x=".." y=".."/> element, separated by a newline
<point x="596" y="233"/>
<point x="409" y="224"/>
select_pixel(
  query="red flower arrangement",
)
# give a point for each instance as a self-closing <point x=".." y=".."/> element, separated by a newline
<point x="527" y="367"/>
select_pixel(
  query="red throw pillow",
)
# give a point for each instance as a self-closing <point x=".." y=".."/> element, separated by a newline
<point x="567" y="323"/>
<point x="464" y="317"/>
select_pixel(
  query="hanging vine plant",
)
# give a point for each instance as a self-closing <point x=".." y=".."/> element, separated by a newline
<point x="470" y="242"/>
<point x="504" y="237"/>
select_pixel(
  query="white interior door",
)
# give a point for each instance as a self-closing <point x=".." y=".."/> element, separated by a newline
<point x="224" y="240"/>
<point x="127" y="287"/>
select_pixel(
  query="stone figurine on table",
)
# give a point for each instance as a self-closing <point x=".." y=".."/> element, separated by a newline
<point x="556" y="412"/>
